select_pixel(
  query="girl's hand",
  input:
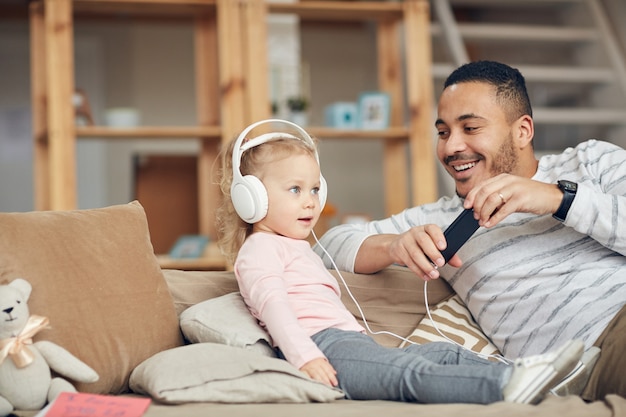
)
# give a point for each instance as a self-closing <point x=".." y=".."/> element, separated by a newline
<point x="321" y="370"/>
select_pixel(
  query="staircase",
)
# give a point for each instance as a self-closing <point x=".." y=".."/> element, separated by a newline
<point x="574" y="66"/>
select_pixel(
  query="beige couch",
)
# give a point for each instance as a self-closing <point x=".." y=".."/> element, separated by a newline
<point x="95" y="276"/>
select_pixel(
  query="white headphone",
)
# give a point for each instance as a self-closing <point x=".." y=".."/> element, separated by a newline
<point x="248" y="193"/>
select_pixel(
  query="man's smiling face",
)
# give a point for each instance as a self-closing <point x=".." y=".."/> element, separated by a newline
<point x="475" y="139"/>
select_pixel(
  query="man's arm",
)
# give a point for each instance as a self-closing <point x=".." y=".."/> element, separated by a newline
<point x="371" y="247"/>
<point x="601" y="216"/>
<point x="598" y="209"/>
<point x="373" y="255"/>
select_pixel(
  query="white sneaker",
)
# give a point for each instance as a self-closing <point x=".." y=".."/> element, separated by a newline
<point x="576" y="381"/>
<point x="534" y="376"/>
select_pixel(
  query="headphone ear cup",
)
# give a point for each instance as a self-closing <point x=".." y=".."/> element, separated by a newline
<point x="323" y="192"/>
<point x="249" y="197"/>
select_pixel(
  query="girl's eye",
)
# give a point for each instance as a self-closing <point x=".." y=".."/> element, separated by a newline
<point x="295" y="189"/>
<point x="315" y="190"/>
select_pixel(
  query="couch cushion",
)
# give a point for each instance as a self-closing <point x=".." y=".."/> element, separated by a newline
<point x="452" y="318"/>
<point x="391" y="300"/>
<point x="189" y="288"/>
<point x="226" y="320"/>
<point x="95" y="276"/>
<point x="209" y="372"/>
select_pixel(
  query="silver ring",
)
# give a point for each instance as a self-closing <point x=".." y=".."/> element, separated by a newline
<point x="502" y="198"/>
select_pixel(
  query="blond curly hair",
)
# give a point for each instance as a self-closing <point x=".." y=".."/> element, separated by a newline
<point x="232" y="230"/>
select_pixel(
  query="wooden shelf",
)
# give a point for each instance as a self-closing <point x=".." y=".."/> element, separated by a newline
<point x="215" y="132"/>
<point x="142" y="8"/>
<point x="340" y="10"/>
<point x="149" y="132"/>
<point x="393" y="133"/>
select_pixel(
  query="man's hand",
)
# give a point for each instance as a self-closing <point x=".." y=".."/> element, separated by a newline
<point x="497" y="197"/>
<point x="420" y="245"/>
<point x="414" y="248"/>
<point x="321" y="370"/>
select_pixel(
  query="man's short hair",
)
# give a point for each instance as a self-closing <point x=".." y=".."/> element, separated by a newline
<point x="510" y="85"/>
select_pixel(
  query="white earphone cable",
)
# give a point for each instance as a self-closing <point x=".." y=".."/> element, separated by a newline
<point x="353" y="298"/>
<point x="367" y="327"/>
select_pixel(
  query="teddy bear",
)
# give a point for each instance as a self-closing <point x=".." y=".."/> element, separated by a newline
<point x="26" y="381"/>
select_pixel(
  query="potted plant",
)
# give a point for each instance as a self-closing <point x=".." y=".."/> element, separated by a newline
<point x="297" y="103"/>
<point x="298" y="106"/>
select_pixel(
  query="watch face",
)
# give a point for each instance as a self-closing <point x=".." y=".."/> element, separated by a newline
<point x="568" y="186"/>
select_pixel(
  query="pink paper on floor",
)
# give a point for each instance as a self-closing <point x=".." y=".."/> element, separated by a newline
<point x="71" y="404"/>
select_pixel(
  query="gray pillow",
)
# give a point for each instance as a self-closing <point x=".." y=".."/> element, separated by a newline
<point x="225" y="320"/>
<point x="210" y="372"/>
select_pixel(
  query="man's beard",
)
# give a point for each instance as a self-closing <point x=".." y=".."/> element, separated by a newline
<point x="504" y="162"/>
<point x="506" y="159"/>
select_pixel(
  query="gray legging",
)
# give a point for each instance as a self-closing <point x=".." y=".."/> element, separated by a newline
<point x="437" y="372"/>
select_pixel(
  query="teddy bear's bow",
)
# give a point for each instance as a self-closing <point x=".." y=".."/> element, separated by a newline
<point x="17" y="347"/>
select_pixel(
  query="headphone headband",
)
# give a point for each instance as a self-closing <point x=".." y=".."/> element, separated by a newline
<point x="265" y="137"/>
<point x="240" y="147"/>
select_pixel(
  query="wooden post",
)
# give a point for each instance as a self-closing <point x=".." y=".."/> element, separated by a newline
<point x="395" y="163"/>
<point x="254" y="47"/>
<point x="60" y="86"/>
<point x="420" y="97"/>
<point x="207" y="99"/>
<point x="232" y="82"/>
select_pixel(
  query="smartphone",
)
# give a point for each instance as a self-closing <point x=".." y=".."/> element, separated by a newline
<point x="461" y="229"/>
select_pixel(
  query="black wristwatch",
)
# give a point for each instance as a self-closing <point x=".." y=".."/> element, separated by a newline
<point x="569" y="189"/>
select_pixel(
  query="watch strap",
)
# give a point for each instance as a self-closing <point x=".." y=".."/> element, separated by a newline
<point x="566" y="203"/>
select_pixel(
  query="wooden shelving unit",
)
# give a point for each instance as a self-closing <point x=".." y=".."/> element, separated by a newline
<point x="52" y="76"/>
<point x="404" y="52"/>
<point x="53" y="85"/>
<point x="232" y="89"/>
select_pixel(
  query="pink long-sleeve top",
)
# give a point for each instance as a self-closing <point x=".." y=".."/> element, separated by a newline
<point x="288" y="289"/>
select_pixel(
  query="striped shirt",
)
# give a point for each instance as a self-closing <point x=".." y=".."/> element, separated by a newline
<point x="532" y="282"/>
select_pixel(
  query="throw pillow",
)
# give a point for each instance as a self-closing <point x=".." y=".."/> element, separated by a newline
<point x="189" y="288"/>
<point x="95" y="276"/>
<point x="226" y="320"/>
<point x="209" y="372"/>
<point x="455" y="321"/>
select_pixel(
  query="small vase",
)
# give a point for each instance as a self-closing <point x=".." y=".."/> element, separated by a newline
<point x="301" y="118"/>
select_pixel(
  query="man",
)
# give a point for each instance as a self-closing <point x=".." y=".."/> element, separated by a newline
<point x="548" y="263"/>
